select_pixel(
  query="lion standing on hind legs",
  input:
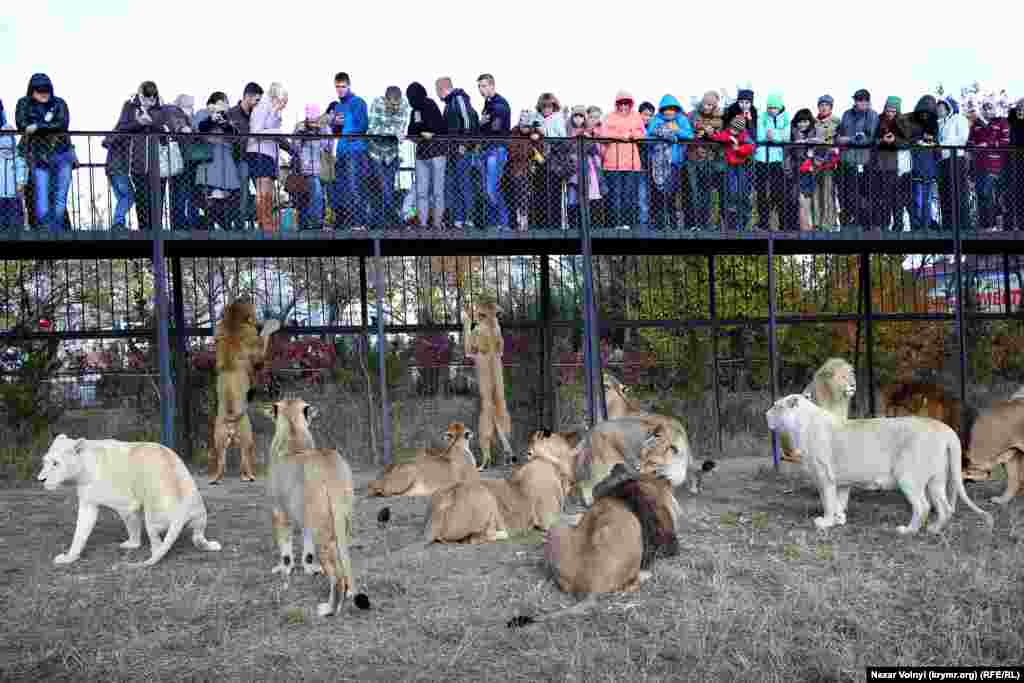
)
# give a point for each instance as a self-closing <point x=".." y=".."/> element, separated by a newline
<point x="483" y="343"/>
<point x="241" y="345"/>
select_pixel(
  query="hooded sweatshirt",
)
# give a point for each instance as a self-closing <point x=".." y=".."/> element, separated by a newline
<point x="425" y="117"/>
<point x="779" y="125"/>
<point x="663" y="156"/>
<point x="51" y="120"/>
<point x="622" y="156"/>
<point x="13" y="171"/>
<point x="921" y="124"/>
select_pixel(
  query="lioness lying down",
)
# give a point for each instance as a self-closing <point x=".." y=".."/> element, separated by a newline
<point x="917" y="455"/>
<point x="428" y="473"/>
<point x="634" y="518"/>
<point x="488" y="509"/>
<point x="127" y="477"/>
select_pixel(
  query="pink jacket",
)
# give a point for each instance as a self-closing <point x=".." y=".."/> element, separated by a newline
<point x="622" y="156"/>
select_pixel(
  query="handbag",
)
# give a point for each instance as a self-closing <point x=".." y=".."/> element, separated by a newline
<point x="171" y="161"/>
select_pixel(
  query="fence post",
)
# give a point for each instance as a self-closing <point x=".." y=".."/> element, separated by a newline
<point x="547" y="389"/>
<point x="869" y="334"/>
<point x="715" y="332"/>
<point x="772" y="361"/>
<point x="385" y="412"/>
<point x="156" y="214"/>
<point x="182" y="369"/>
<point x="957" y="256"/>
<point x="591" y="350"/>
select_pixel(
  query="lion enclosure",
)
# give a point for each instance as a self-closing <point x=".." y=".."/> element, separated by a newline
<point x="755" y="594"/>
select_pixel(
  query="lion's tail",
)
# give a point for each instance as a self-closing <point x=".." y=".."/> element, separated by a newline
<point x="581" y="607"/>
<point x="956" y="483"/>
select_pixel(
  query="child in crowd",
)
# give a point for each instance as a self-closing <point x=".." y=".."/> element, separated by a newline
<point x="705" y="167"/>
<point x="524" y="161"/>
<point x="809" y="162"/>
<point x="667" y="158"/>
<point x="309" y="195"/>
<point x="13" y="178"/>
<point x="738" y="151"/>
<point x="578" y="126"/>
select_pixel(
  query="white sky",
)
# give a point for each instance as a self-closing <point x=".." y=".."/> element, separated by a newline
<point x="98" y="51"/>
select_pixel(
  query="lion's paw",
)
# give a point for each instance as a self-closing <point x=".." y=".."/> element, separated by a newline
<point x="904" y="530"/>
<point x="324" y="609"/>
<point x="312" y="569"/>
<point x="64" y="558"/>
<point x="131" y="545"/>
<point x="213" y="546"/>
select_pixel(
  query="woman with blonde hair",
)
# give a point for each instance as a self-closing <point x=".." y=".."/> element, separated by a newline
<point x="263" y="154"/>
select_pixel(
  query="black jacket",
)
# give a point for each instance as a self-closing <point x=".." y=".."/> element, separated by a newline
<point x="425" y="117"/>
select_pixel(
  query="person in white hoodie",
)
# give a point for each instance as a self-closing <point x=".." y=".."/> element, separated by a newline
<point x="954" y="130"/>
<point x="263" y="153"/>
<point x="13" y="178"/>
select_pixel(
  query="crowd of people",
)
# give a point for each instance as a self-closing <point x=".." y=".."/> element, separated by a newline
<point x="722" y="164"/>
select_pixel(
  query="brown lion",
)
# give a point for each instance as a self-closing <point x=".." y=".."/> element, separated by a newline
<point x="241" y="346"/>
<point x="557" y="447"/>
<point x="998" y="437"/>
<point x="634" y="518"/>
<point x="428" y="473"/>
<point x="484" y="344"/>
<point x="831" y="388"/>
<point x="478" y="511"/>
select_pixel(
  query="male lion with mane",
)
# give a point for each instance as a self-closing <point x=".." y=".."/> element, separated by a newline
<point x="428" y="474"/>
<point x="918" y="456"/>
<point x="832" y="388"/>
<point x="127" y="477"/>
<point x="241" y="345"/>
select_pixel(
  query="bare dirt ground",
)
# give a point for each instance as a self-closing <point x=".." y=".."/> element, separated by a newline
<point x="756" y="594"/>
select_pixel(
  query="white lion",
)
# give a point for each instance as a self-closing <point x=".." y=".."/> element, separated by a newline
<point x="127" y="477"/>
<point x="917" y="455"/>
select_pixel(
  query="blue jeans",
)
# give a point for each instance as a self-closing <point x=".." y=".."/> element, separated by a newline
<point x="921" y="203"/>
<point x="460" y="194"/>
<point x="705" y="177"/>
<point x="348" y="195"/>
<point x="385" y="174"/>
<point x="664" y="197"/>
<point x="643" y="189"/>
<point x="58" y="171"/>
<point x="184" y="212"/>
<point x="737" y="197"/>
<point x="494" y="168"/>
<point x="124" y="194"/>
<point x="624" y="191"/>
<point x="985" y="187"/>
<point x="312" y="214"/>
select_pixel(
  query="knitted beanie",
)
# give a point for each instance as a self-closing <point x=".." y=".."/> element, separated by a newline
<point x="312" y="111"/>
<point x="826" y="99"/>
<point x="894" y="102"/>
<point x="745" y="94"/>
<point x="579" y="109"/>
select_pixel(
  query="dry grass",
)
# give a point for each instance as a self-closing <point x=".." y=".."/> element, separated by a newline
<point x="755" y="595"/>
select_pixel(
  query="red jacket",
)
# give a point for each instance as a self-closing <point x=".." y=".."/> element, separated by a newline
<point x="735" y="157"/>
<point x="995" y="134"/>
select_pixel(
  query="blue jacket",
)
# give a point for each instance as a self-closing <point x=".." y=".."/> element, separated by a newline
<point x="781" y="131"/>
<point x="357" y="122"/>
<point x="685" y="132"/>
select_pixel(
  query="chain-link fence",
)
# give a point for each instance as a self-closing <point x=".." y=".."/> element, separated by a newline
<point x="676" y="175"/>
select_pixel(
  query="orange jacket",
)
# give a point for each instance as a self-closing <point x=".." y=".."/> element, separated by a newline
<point x="622" y="156"/>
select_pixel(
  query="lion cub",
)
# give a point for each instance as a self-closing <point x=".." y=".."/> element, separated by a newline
<point x="127" y="477"/>
<point x="314" y="486"/>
